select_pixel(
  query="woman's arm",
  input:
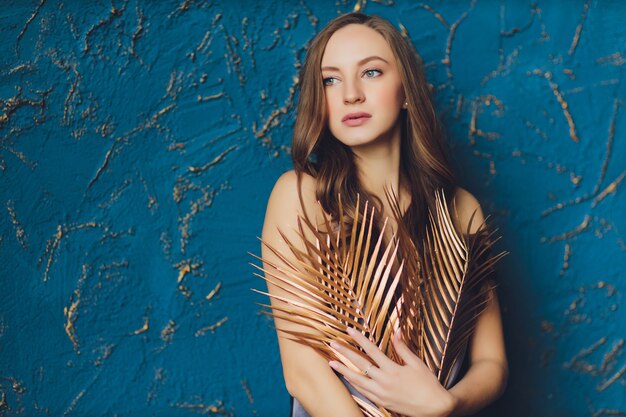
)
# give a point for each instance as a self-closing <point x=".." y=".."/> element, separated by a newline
<point x="308" y="377"/>
<point x="486" y="378"/>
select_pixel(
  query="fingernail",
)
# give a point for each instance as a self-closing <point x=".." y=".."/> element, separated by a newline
<point x="332" y="364"/>
<point x="334" y="345"/>
<point x="350" y="331"/>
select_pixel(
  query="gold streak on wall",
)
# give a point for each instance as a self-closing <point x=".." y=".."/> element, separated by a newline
<point x="168" y="331"/>
<point x="144" y="328"/>
<point x="210" y="328"/>
<point x="579" y="229"/>
<point x="71" y="315"/>
<point x="214" y="291"/>
<point x="244" y="384"/>
<point x="609" y="189"/>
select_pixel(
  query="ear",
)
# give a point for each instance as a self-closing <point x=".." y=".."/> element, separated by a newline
<point x="404" y="100"/>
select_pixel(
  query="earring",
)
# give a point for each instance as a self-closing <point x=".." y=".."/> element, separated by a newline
<point x="406" y="104"/>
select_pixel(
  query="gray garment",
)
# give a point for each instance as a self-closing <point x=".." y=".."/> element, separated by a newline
<point x="298" y="411"/>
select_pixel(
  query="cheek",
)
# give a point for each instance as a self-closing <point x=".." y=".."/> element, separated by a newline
<point x="331" y="103"/>
<point x="390" y="97"/>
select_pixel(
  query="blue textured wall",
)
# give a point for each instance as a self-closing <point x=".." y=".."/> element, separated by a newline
<point x="139" y="142"/>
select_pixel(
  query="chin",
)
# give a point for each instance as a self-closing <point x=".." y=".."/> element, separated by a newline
<point x="361" y="138"/>
<point x="354" y="141"/>
<point x="350" y="136"/>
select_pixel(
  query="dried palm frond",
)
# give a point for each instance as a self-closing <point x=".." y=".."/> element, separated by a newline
<point x="343" y="284"/>
<point x="349" y="280"/>
<point x="454" y="287"/>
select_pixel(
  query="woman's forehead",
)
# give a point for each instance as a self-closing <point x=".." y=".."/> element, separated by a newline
<point x="353" y="43"/>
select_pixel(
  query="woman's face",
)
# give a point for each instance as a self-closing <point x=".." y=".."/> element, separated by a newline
<point x="361" y="78"/>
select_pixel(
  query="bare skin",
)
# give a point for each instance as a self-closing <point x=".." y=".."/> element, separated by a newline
<point x="374" y="87"/>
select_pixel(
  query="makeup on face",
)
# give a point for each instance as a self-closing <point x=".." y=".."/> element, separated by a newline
<point x="362" y="86"/>
<point x="356" y="119"/>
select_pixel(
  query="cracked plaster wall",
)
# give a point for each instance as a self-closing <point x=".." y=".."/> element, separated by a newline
<point x="139" y="141"/>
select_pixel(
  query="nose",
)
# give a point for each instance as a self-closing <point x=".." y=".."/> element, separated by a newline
<point x="352" y="92"/>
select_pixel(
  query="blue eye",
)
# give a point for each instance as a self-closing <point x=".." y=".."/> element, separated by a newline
<point x="372" y="73"/>
<point x="325" y="80"/>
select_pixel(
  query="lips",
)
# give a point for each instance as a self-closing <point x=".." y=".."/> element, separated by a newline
<point x="358" y="115"/>
<point x="356" y="119"/>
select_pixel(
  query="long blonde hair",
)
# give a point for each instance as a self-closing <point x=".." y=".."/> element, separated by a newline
<point x="424" y="160"/>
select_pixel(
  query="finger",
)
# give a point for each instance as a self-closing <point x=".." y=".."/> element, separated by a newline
<point x="377" y="355"/>
<point x="356" y="379"/>
<point x="355" y="361"/>
<point x="404" y="352"/>
<point x="367" y="394"/>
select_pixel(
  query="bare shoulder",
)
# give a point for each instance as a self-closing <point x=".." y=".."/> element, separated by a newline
<point x="286" y="186"/>
<point x="464" y="206"/>
<point x="284" y="205"/>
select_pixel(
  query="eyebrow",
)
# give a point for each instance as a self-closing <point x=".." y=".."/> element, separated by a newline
<point x="361" y="62"/>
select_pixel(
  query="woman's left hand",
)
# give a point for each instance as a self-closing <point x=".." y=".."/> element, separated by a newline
<point x="410" y="389"/>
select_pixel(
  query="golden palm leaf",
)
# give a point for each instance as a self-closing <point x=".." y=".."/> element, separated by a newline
<point x="453" y="271"/>
<point x="335" y="275"/>
<point x="349" y="280"/>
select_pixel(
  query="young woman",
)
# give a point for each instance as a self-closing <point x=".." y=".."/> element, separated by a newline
<point x="366" y="123"/>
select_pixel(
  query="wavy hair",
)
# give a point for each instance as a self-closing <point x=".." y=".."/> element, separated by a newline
<point x="424" y="160"/>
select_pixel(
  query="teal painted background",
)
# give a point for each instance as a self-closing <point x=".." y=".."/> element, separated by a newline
<point x="139" y="141"/>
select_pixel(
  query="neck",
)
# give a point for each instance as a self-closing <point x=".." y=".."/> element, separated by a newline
<point x="378" y="166"/>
